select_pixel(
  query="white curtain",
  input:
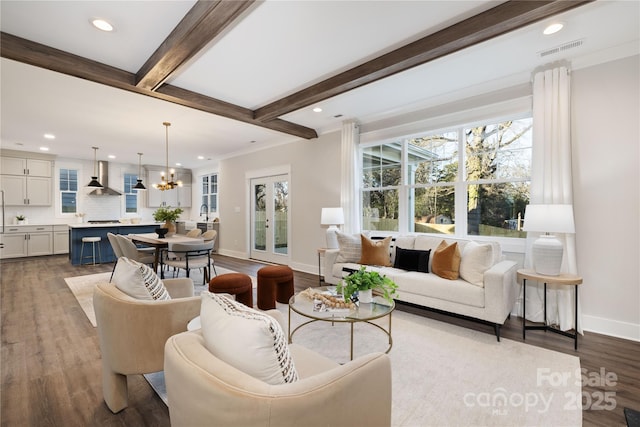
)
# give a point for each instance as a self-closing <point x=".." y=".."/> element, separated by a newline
<point x="349" y="199"/>
<point x="551" y="183"/>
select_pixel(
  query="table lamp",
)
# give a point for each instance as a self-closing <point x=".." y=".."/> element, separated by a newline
<point x="547" y="250"/>
<point x="332" y="217"/>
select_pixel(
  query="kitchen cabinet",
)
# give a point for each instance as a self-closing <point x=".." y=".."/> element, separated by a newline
<point x="23" y="166"/>
<point x="24" y="241"/>
<point x="60" y="239"/>
<point x="26" y="182"/>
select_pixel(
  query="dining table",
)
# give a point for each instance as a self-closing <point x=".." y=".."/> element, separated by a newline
<point x="160" y="243"/>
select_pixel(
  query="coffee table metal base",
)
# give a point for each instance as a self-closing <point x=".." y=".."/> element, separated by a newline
<point x="352" y="322"/>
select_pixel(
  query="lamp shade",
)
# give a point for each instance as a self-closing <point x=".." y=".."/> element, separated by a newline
<point x="549" y="219"/>
<point x="332" y="216"/>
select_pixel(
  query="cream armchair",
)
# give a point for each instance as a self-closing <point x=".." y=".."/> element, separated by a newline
<point x="133" y="333"/>
<point x="202" y="390"/>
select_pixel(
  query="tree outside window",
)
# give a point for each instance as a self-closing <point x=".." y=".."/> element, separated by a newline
<point x="68" y="190"/>
<point x="427" y="179"/>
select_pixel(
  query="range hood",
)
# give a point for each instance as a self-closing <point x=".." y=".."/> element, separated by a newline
<point x="103" y="178"/>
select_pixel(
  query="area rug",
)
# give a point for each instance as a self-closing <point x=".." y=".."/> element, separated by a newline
<point x="445" y="375"/>
<point x="82" y="287"/>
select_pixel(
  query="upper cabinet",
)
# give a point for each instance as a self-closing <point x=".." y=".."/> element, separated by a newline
<point x="26" y="181"/>
<point x="178" y="197"/>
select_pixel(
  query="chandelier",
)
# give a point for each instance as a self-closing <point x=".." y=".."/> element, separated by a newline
<point x="167" y="178"/>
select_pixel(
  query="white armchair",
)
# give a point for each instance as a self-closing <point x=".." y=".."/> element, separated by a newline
<point x="132" y="333"/>
<point x="203" y="390"/>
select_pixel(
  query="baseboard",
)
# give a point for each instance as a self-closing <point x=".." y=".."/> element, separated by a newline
<point x="614" y="328"/>
<point x="305" y="268"/>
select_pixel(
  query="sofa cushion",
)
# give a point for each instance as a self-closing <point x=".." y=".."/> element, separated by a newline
<point x="138" y="280"/>
<point x="412" y="260"/>
<point x="455" y="291"/>
<point x="475" y="260"/>
<point x="375" y="252"/>
<point x="350" y="247"/>
<point x="446" y="261"/>
<point x="247" y="339"/>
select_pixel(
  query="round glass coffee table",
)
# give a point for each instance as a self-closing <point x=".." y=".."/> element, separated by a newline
<point x="301" y="304"/>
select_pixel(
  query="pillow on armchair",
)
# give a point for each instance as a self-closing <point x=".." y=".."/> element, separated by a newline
<point x="247" y="339"/>
<point x="138" y="280"/>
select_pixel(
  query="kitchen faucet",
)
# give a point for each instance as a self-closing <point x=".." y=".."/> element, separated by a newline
<point x="206" y="211"/>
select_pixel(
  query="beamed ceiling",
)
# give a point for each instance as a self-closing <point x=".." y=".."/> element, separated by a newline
<point x="208" y="27"/>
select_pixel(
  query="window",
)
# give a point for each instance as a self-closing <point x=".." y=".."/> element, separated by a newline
<point x="210" y="193"/>
<point x="68" y="190"/>
<point x="469" y="180"/>
<point x="130" y="193"/>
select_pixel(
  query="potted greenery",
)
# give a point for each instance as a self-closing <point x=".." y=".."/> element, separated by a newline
<point x="20" y="219"/>
<point x="364" y="282"/>
<point x="169" y="216"/>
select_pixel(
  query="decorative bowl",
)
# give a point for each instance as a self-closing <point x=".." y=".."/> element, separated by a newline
<point x="161" y="232"/>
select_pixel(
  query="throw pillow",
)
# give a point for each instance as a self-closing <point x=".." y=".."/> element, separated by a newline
<point x="247" y="339"/>
<point x="138" y="280"/>
<point x="476" y="259"/>
<point x="446" y="261"/>
<point x="350" y="247"/>
<point x="412" y="260"/>
<point x="375" y="252"/>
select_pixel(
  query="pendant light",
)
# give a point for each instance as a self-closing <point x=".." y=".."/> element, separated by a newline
<point x="94" y="179"/>
<point x="139" y="185"/>
<point x="167" y="179"/>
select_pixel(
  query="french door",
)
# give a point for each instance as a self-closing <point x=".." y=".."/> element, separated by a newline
<point x="270" y="219"/>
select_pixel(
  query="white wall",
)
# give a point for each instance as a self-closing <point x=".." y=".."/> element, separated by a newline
<point x="314" y="183"/>
<point x="606" y="190"/>
<point x="606" y="137"/>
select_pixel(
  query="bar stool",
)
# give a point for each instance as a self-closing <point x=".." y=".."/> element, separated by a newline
<point x="93" y="240"/>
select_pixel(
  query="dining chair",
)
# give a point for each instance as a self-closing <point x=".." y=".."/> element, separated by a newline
<point x="131" y="251"/>
<point x="209" y="235"/>
<point x="190" y="256"/>
<point x="196" y="232"/>
<point x="117" y="251"/>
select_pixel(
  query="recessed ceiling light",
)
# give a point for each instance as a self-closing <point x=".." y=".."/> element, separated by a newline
<point x="317" y="110"/>
<point x="44" y="148"/>
<point x="178" y="164"/>
<point x="200" y="157"/>
<point x="101" y="24"/>
<point x="49" y="136"/>
<point x="111" y="156"/>
<point x="553" y="28"/>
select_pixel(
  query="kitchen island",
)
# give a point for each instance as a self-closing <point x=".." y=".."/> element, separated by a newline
<point x="78" y="231"/>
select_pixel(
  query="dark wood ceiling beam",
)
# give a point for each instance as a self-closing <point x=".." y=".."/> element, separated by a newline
<point x="205" y="21"/>
<point x="494" y="22"/>
<point x="28" y="52"/>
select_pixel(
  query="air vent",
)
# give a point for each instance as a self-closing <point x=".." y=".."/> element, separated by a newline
<point x="561" y="48"/>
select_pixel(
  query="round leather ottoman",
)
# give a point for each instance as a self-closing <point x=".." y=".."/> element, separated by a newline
<point x="237" y="284"/>
<point x="275" y="283"/>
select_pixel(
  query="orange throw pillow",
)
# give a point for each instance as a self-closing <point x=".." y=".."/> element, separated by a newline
<point x="446" y="261"/>
<point x="375" y="252"/>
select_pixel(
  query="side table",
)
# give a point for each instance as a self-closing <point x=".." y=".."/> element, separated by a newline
<point x="321" y="252"/>
<point x="562" y="279"/>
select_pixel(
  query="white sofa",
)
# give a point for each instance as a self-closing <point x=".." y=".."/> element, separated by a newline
<point x="490" y="300"/>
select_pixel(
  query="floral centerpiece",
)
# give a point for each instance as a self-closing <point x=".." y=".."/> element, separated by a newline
<point x="363" y="280"/>
<point x="169" y="216"/>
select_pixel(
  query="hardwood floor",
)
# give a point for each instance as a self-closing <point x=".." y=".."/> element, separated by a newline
<point x="51" y="370"/>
